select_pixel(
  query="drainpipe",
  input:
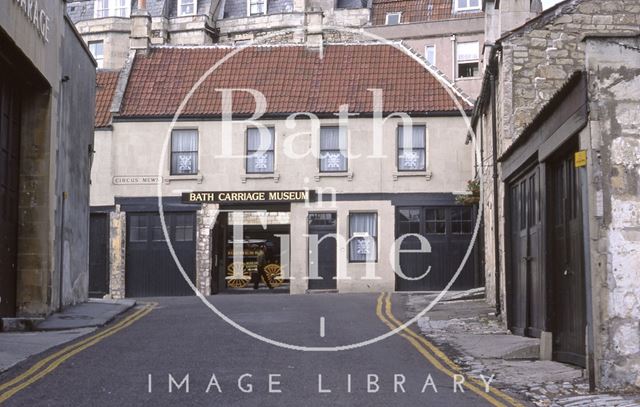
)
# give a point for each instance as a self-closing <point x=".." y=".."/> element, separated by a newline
<point x="496" y="217"/>
<point x="587" y="267"/>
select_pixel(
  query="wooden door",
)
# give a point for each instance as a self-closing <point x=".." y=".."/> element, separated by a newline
<point x="9" y="177"/>
<point x="322" y="225"/>
<point x="566" y="264"/>
<point x="98" y="255"/>
<point x="449" y="231"/>
<point x="150" y="269"/>
<point x="526" y="279"/>
<point x="219" y="253"/>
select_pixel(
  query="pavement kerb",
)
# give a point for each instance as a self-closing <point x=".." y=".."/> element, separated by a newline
<point x="438" y="355"/>
<point x="34" y="373"/>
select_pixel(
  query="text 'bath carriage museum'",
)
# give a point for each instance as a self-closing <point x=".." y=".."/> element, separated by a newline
<point x="357" y="142"/>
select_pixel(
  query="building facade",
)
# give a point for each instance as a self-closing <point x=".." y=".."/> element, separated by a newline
<point x="46" y="140"/>
<point x="337" y="171"/>
<point x="556" y="125"/>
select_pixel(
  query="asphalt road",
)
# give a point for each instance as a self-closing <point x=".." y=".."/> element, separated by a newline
<point x="181" y="336"/>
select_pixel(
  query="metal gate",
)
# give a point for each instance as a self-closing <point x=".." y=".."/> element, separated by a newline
<point x="9" y="177"/>
<point x="99" y="255"/>
<point x="150" y="268"/>
<point x="449" y="231"/>
<point x="321" y="225"/>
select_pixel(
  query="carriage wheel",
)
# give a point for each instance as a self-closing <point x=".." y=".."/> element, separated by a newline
<point x="238" y="282"/>
<point x="273" y="274"/>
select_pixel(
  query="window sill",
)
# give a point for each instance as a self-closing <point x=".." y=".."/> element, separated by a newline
<point x="470" y="78"/>
<point x="348" y="175"/>
<point x="273" y="176"/>
<point x="403" y="174"/>
<point x="193" y="177"/>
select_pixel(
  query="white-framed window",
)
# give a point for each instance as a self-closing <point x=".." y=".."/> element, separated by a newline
<point x="467" y="5"/>
<point x="187" y="7"/>
<point x="111" y="8"/>
<point x="430" y="54"/>
<point x="363" y="235"/>
<point x="260" y="150"/>
<point x="333" y="149"/>
<point x="97" y="50"/>
<point x="393" y="18"/>
<point x="257" y="7"/>
<point x="412" y="148"/>
<point x="468" y="59"/>
<point x="184" y="152"/>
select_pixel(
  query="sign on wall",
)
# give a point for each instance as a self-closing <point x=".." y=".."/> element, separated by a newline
<point x="248" y="196"/>
<point x="137" y="180"/>
<point x="37" y="17"/>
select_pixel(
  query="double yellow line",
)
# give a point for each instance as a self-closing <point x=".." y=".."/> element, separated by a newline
<point x="438" y="359"/>
<point x="51" y="362"/>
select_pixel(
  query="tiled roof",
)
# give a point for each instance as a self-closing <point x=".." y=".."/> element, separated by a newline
<point x="414" y="11"/>
<point x="292" y="78"/>
<point x="106" y="82"/>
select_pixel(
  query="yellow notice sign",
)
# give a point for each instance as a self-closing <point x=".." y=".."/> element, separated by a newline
<point x="581" y="158"/>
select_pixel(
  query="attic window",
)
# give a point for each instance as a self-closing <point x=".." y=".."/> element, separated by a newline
<point x="467" y="5"/>
<point x="187" y="7"/>
<point x="111" y="8"/>
<point x="393" y="18"/>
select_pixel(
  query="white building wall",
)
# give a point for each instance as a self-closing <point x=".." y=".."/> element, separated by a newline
<point x="137" y="148"/>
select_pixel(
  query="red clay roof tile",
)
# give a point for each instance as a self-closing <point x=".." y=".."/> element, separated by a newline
<point x="292" y="78"/>
<point x="106" y="85"/>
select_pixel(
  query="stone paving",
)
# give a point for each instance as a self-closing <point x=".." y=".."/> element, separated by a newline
<point x="468" y="332"/>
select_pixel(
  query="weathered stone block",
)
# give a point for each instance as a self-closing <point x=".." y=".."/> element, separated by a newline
<point x="551" y="72"/>
<point x="538" y="42"/>
<point x="603" y="19"/>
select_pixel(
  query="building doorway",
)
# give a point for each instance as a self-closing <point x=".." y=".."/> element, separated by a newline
<point x="150" y="268"/>
<point x="566" y="263"/>
<point x="9" y="181"/>
<point x="526" y="280"/>
<point x="98" y="255"/>
<point x="449" y="230"/>
<point x="235" y="256"/>
<point x="323" y="225"/>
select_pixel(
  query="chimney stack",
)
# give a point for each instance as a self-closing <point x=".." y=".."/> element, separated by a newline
<point x="140" y="27"/>
<point x="314" y="30"/>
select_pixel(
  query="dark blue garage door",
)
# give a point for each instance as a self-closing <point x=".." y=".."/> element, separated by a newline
<point x="449" y="231"/>
<point x="150" y="268"/>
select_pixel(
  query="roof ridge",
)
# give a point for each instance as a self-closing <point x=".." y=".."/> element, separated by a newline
<point x="277" y="45"/>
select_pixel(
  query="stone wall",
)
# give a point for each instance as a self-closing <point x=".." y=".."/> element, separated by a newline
<point x="205" y="220"/>
<point x="614" y="82"/>
<point x="549" y="50"/>
<point x="117" y="253"/>
<point x="534" y="63"/>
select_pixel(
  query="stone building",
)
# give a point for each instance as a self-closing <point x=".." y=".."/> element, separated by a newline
<point x="106" y="25"/>
<point x="223" y="194"/>
<point x="46" y="142"/>
<point x="449" y="33"/>
<point x="557" y="124"/>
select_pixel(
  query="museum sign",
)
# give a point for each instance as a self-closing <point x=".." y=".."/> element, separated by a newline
<point x="249" y="196"/>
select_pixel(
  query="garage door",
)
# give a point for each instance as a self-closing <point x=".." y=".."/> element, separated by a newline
<point x="449" y="231"/>
<point x="150" y="268"/>
<point x="9" y="170"/>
